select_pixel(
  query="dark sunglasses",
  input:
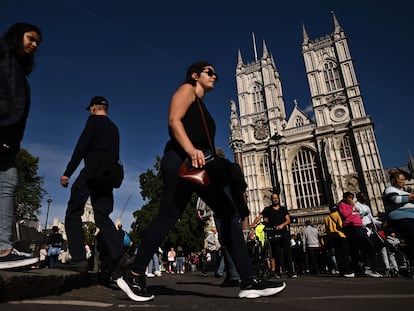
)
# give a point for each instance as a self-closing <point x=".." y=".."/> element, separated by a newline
<point x="211" y="73"/>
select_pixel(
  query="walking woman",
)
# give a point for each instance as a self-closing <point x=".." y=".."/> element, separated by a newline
<point x="189" y="139"/>
<point x="18" y="47"/>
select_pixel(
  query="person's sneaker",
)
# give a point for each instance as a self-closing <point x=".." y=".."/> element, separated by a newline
<point x="255" y="288"/>
<point x="158" y="273"/>
<point x="134" y="286"/>
<point x="293" y="276"/>
<point x="122" y="265"/>
<point x="349" y="275"/>
<point x="150" y="275"/>
<point x="17" y="259"/>
<point x="76" y="266"/>
<point x="372" y="274"/>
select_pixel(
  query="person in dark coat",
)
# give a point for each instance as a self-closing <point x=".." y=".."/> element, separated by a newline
<point x="18" y="46"/>
<point x="98" y="146"/>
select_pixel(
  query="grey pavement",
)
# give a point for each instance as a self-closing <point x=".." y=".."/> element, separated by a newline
<point x="41" y="289"/>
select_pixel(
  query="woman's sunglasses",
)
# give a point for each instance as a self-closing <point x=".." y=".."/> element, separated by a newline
<point x="211" y="73"/>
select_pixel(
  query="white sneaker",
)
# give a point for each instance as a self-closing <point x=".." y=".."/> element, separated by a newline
<point x="372" y="274"/>
<point x="157" y="273"/>
<point x="260" y="288"/>
<point x="150" y="275"/>
<point x="17" y="259"/>
<point x="349" y="275"/>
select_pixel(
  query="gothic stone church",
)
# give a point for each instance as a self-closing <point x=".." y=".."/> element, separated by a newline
<point x="311" y="162"/>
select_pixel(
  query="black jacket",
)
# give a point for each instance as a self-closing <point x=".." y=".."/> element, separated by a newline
<point x="14" y="101"/>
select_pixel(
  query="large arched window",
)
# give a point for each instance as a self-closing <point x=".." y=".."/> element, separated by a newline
<point x="306" y="180"/>
<point x="258" y="98"/>
<point x="331" y="75"/>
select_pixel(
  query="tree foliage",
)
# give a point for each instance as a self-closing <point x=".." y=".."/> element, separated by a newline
<point x="30" y="193"/>
<point x="187" y="232"/>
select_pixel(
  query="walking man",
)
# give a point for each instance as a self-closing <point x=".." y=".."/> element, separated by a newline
<point x="98" y="146"/>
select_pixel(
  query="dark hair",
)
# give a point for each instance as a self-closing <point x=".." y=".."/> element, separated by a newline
<point x="14" y="37"/>
<point x="197" y="68"/>
<point x="348" y="194"/>
<point x="394" y="174"/>
<point x="333" y="208"/>
<point x="361" y="196"/>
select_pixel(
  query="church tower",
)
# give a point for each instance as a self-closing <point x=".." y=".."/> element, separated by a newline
<point x="311" y="162"/>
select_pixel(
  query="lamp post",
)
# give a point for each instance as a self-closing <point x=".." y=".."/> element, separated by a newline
<point x="49" y="200"/>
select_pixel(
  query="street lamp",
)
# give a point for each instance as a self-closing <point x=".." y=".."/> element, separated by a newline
<point x="49" y="200"/>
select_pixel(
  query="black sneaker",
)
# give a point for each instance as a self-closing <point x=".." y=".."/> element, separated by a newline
<point x="75" y="266"/>
<point x="255" y="288"/>
<point x="17" y="259"/>
<point x="134" y="286"/>
<point x="273" y="275"/>
<point x="122" y="265"/>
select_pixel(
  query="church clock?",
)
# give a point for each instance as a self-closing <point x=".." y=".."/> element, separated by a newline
<point x="339" y="113"/>
<point x="261" y="130"/>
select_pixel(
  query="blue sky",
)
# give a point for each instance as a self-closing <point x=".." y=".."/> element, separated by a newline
<point x="136" y="54"/>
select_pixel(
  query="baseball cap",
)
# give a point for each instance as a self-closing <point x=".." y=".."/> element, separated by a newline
<point x="98" y="100"/>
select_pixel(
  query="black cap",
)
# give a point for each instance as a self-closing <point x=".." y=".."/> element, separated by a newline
<point x="98" y="100"/>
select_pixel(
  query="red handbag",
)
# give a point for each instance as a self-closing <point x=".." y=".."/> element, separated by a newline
<point x="196" y="175"/>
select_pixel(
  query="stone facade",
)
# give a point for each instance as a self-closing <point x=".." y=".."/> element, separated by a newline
<point x="310" y="161"/>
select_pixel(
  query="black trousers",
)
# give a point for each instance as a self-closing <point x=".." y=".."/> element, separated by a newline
<point x="341" y="249"/>
<point x="279" y="245"/>
<point x="361" y="248"/>
<point x="176" y="194"/>
<point x="102" y="203"/>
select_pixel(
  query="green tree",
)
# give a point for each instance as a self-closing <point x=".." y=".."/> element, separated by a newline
<point x="30" y="193"/>
<point x="187" y="232"/>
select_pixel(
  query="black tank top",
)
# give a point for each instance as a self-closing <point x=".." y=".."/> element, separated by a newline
<point x="194" y="127"/>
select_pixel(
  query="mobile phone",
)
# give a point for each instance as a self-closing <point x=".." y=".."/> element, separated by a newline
<point x="208" y="156"/>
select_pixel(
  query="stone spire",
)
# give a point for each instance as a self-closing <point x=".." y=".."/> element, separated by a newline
<point x="305" y="35"/>
<point x="239" y="59"/>
<point x="265" y="52"/>
<point x="338" y="29"/>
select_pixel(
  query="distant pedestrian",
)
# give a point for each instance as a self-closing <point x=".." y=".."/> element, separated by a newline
<point x="171" y="260"/>
<point x="311" y="246"/>
<point x="54" y="249"/>
<point x="43" y="260"/>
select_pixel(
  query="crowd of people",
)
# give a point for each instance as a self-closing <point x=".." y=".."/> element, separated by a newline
<point x="352" y="242"/>
<point x="192" y="131"/>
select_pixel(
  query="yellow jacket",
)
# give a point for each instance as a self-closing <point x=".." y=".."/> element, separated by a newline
<point x="333" y="225"/>
<point x="258" y="231"/>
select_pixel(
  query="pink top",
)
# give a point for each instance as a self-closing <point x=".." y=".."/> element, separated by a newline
<point x="350" y="215"/>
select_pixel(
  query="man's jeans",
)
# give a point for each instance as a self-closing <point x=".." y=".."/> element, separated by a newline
<point x="8" y="184"/>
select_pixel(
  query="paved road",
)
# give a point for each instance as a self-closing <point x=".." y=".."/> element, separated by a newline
<point x="191" y="291"/>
